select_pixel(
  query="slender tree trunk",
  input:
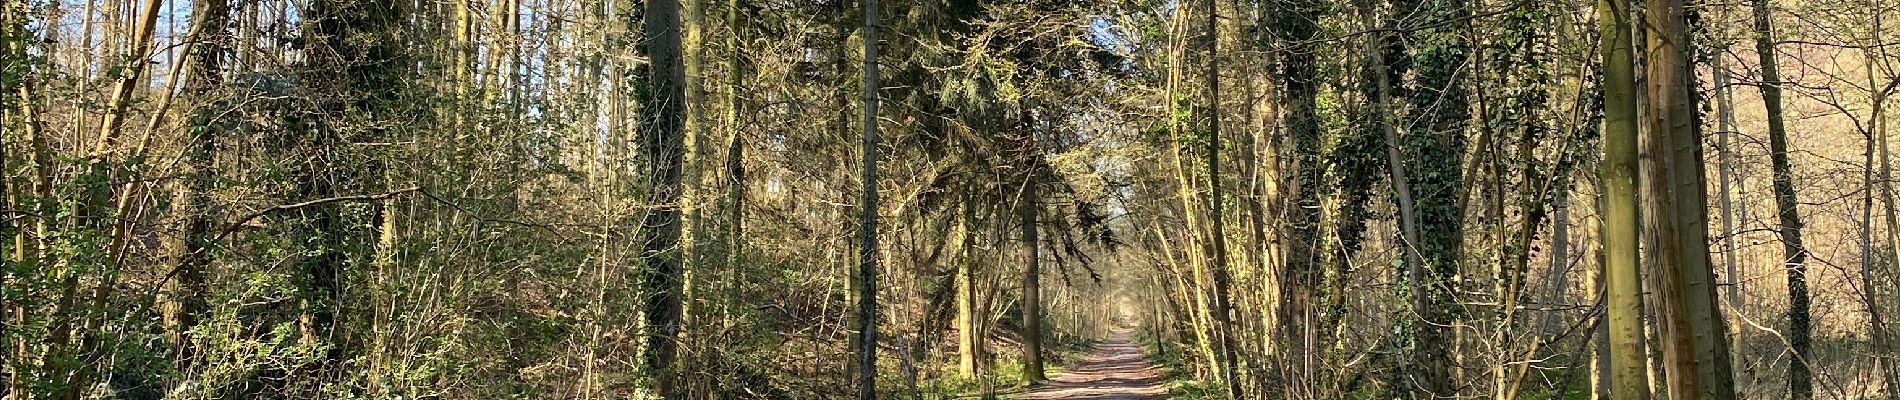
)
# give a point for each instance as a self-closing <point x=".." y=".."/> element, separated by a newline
<point x="1882" y="332"/>
<point x="867" y="218"/>
<point x="841" y="123"/>
<point x="32" y="239"/>
<point x="1217" y="234"/>
<point x="130" y="80"/>
<point x="1795" y="254"/>
<point x="968" y="344"/>
<point x="1866" y="239"/>
<point x="1560" y="249"/>
<point x="695" y="194"/>
<point x="735" y="161"/>
<point x="1890" y="367"/>
<point x="464" y="27"/>
<point x="1725" y="127"/>
<point x="1256" y="250"/>
<point x="18" y="256"/>
<point x="1409" y="232"/>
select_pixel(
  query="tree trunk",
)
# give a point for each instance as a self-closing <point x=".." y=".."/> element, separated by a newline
<point x="968" y="343"/>
<point x="867" y="217"/>
<point x="1217" y="235"/>
<point x="1881" y="333"/>
<point x="1436" y="146"/>
<point x="31" y="240"/>
<point x="1694" y="342"/>
<point x="1411" y="258"/>
<point x="735" y="162"/>
<point x="1726" y="172"/>
<point x="1621" y="282"/>
<point x="1256" y="250"/>
<point x="1795" y="254"/>
<point x="139" y="51"/>
<point x="192" y="247"/>
<point x="1297" y="24"/>
<point x="663" y="112"/>
<point x="693" y="186"/>
<point x="1029" y="206"/>
<point x="17" y="229"/>
<point x="1559" y="286"/>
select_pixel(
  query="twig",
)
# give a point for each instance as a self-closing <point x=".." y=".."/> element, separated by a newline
<point x="240" y="222"/>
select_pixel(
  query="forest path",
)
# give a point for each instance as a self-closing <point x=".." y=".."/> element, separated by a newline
<point x="1117" y="370"/>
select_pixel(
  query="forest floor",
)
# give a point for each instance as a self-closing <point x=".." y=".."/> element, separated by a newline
<point x="1116" y="370"/>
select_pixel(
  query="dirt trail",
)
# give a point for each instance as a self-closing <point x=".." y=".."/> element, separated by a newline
<point x="1117" y="370"/>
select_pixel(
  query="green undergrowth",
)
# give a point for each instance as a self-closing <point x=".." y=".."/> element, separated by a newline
<point x="1004" y="374"/>
<point x="1179" y="375"/>
<point x="1005" y="377"/>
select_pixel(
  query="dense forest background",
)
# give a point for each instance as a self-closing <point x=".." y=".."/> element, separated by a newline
<point x="788" y="199"/>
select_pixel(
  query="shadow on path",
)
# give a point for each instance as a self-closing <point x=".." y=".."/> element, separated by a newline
<point x="1117" y="370"/>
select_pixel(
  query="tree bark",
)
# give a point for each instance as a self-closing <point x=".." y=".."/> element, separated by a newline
<point x="1694" y="342"/>
<point x="1725" y="163"/>
<point x="663" y="112"/>
<point x="1435" y="147"/>
<point x="1621" y="281"/>
<point x="1795" y="254"/>
<point x="867" y="217"/>
<point x="968" y="343"/>
<point x="1881" y="333"/>
<point x="1297" y="25"/>
<point x="1217" y="234"/>
<point x="735" y="160"/>
<point x="192" y="248"/>
<point x="1029" y="207"/>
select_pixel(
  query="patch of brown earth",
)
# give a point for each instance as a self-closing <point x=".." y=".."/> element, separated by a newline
<point x="1117" y="370"/>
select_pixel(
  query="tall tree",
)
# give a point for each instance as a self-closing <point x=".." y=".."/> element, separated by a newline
<point x="867" y="215"/>
<point x="28" y="195"/>
<point x="1440" y="101"/>
<point x="663" y="113"/>
<point x="1883" y="333"/>
<point x="1029" y="208"/>
<point x="1296" y="23"/>
<point x="358" y="62"/>
<point x="1217" y="234"/>
<point x="1694" y="342"/>
<point x="1622" y="281"/>
<point x="969" y="344"/>
<point x="735" y="152"/>
<point x="193" y="201"/>
<point x="1728" y="174"/>
<point x="17" y="118"/>
<point x="1386" y="74"/>
<point x="1794" y="252"/>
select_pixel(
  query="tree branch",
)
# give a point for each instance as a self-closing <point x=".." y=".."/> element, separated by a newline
<point x="239" y="223"/>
